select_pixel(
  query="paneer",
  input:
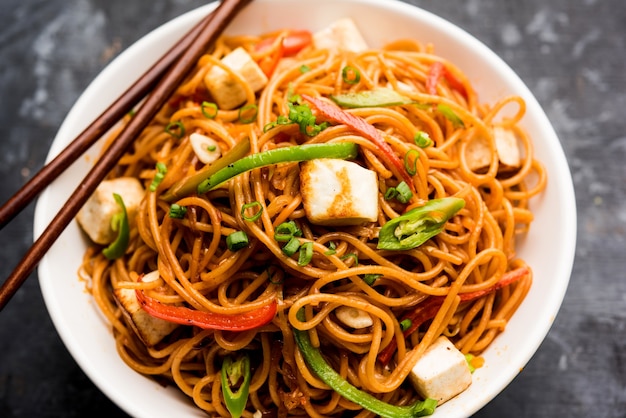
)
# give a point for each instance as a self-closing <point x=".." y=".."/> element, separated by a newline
<point x="479" y="154"/>
<point x="96" y="214"/>
<point x="338" y="192"/>
<point x="442" y="372"/>
<point x="227" y="91"/>
<point x="343" y="34"/>
<point x="149" y="329"/>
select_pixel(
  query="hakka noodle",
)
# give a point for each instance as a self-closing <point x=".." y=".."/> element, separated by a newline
<point x="245" y="278"/>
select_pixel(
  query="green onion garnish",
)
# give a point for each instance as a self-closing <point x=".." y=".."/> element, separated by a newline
<point x="304" y="68"/>
<point x="176" y="129"/>
<point x="159" y="176"/>
<point x="306" y="254"/>
<point x="422" y="139"/>
<point x="209" y="110"/>
<point x="248" y="113"/>
<point x="353" y="256"/>
<point x="237" y="240"/>
<point x="371" y="278"/>
<point x="411" y="168"/>
<point x="292" y="246"/>
<point x="177" y="211"/>
<point x="401" y="192"/>
<point x="405" y="324"/>
<point x="332" y="248"/>
<point x="447" y="111"/>
<point x="287" y="230"/>
<point x="256" y="215"/>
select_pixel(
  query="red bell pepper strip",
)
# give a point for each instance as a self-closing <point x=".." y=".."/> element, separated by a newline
<point x="429" y="309"/>
<point x="207" y="320"/>
<point x="293" y="42"/>
<point x="338" y="115"/>
<point x="438" y="70"/>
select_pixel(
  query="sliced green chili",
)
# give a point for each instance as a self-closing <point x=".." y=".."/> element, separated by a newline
<point x="317" y="363"/>
<point x="234" y="372"/>
<point x="119" y="224"/>
<point x="177" y="211"/>
<point x="189" y="185"/>
<point x="447" y="111"/>
<point x="256" y="215"/>
<point x="305" y="254"/>
<point x="176" y="129"/>
<point x="248" y="113"/>
<point x="350" y="75"/>
<point x="379" y="97"/>
<point x="343" y="150"/>
<point x="418" y="225"/>
<point x="209" y="110"/>
<point x="237" y="240"/>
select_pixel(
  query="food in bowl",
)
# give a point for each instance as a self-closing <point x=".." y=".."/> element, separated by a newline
<point x="548" y="246"/>
<point x="313" y="226"/>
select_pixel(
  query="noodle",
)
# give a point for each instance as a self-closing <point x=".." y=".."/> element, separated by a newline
<point x="473" y="252"/>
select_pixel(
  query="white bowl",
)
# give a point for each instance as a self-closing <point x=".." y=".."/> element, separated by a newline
<point x="548" y="248"/>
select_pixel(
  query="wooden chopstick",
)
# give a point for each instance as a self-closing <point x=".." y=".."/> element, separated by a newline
<point x="96" y="129"/>
<point x="206" y="35"/>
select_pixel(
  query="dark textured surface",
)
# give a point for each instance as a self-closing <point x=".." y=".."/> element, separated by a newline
<point x="572" y="55"/>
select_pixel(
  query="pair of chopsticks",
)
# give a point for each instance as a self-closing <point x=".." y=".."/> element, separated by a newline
<point x="156" y="85"/>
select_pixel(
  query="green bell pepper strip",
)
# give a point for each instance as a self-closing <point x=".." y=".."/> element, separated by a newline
<point x="380" y="97"/>
<point x="119" y="223"/>
<point x="232" y="373"/>
<point x="316" y="362"/>
<point x="188" y="186"/>
<point x="343" y="150"/>
<point x="418" y="225"/>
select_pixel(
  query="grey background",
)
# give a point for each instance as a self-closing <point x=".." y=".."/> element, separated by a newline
<point x="571" y="53"/>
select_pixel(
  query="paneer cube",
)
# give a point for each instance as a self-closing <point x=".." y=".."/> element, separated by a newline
<point x="338" y="192"/>
<point x="149" y="329"/>
<point x="479" y="154"/>
<point x="343" y="34"/>
<point x="96" y="214"/>
<point x="225" y="89"/>
<point x="442" y="372"/>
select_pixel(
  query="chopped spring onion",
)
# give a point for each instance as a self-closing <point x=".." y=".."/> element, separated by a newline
<point x="353" y="256"/>
<point x="401" y="192"/>
<point x="405" y="324"/>
<point x="332" y="248"/>
<point x="256" y="215"/>
<point x="237" y="240"/>
<point x="371" y="278"/>
<point x="175" y="129"/>
<point x="411" y="168"/>
<point x="209" y="110"/>
<point x="248" y="113"/>
<point x="287" y="230"/>
<point x="161" y="170"/>
<point x="422" y="139"/>
<point x="292" y="246"/>
<point x="177" y="211"/>
<point x="304" y="68"/>
<point x="306" y="254"/>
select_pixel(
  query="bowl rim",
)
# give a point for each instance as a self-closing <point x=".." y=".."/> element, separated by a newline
<point x="567" y="220"/>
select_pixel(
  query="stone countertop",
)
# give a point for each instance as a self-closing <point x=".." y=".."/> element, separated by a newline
<point x="571" y="54"/>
